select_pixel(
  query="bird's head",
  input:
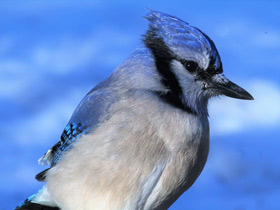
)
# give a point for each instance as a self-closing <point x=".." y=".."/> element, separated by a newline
<point x="188" y="63"/>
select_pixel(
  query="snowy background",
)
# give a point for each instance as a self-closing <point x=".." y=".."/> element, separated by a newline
<point x="53" y="52"/>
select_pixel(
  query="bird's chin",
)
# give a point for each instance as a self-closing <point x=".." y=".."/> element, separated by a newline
<point x="197" y="103"/>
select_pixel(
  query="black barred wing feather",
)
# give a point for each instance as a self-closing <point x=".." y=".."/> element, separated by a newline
<point x="70" y="134"/>
<point x="85" y="119"/>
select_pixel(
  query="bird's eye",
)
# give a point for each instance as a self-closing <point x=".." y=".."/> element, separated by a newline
<point x="191" y="66"/>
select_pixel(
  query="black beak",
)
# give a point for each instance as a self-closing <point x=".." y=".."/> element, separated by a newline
<point x="228" y="88"/>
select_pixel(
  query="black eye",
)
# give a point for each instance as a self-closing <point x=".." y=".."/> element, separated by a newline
<point x="191" y="66"/>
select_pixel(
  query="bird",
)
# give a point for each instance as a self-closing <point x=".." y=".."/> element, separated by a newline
<point x="139" y="139"/>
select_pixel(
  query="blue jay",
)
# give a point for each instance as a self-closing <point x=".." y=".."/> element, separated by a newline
<point x="139" y="139"/>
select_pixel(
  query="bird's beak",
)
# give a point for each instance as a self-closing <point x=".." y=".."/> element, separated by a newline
<point x="224" y="86"/>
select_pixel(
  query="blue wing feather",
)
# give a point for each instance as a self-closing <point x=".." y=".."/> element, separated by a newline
<point x="95" y="105"/>
<point x="70" y="133"/>
<point x="84" y="120"/>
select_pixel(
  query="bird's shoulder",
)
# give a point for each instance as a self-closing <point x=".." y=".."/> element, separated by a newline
<point x="91" y="110"/>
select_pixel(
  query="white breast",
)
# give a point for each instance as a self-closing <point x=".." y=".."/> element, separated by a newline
<point x="145" y="143"/>
<point x="189" y="146"/>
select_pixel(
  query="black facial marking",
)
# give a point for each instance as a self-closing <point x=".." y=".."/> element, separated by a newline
<point x="172" y="100"/>
<point x="163" y="57"/>
<point x="212" y="69"/>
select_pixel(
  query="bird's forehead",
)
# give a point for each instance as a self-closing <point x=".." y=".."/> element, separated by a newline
<point x="184" y="40"/>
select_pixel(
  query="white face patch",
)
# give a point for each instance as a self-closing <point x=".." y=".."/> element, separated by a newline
<point x="201" y="57"/>
<point x="179" y="69"/>
<point x="193" y="96"/>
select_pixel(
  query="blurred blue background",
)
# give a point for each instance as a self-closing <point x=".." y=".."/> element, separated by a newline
<point x="53" y="52"/>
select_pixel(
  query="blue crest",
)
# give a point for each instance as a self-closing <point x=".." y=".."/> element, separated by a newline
<point x="180" y="37"/>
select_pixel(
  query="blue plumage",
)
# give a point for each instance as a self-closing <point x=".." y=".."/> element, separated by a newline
<point x="140" y="138"/>
<point x="70" y="134"/>
<point x="182" y="38"/>
<point x="84" y="120"/>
